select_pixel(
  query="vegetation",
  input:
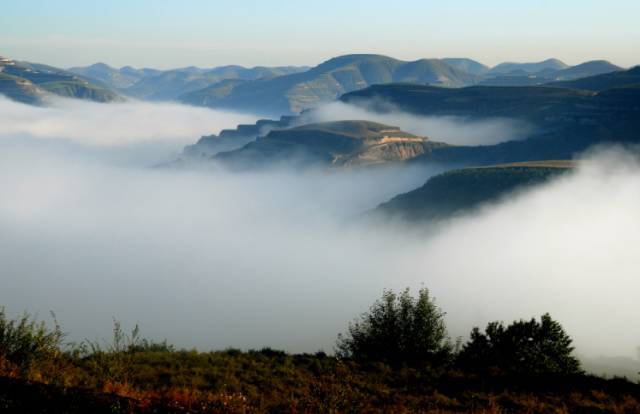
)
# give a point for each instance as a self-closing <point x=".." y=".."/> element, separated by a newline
<point x="523" y="347"/>
<point x="390" y="360"/>
<point x="460" y="191"/>
<point x="398" y="329"/>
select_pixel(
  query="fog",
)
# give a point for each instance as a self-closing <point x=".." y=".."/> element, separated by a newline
<point x="450" y="129"/>
<point x="213" y="259"/>
<point x="128" y="133"/>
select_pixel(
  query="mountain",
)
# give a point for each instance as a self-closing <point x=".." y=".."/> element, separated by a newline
<point x="620" y="79"/>
<point x="32" y="82"/>
<point x="467" y="65"/>
<point x="293" y="93"/>
<point x="535" y="67"/>
<point x="566" y="121"/>
<point x="522" y="78"/>
<point x="462" y="190"/>
<point x="342" y="143"/>
<point x="231" y="139"/>
<point x="115" y="78"/>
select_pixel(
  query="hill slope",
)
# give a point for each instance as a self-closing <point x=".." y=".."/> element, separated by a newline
<point x="30" y="83"/>
<point x="523" y="78"/>
<point x="619" y="79"/>
<point x="296" y="92"/>
<point x="566" y="121"/>
<point x="343" y="143"/>
<point x="458" y="191"/>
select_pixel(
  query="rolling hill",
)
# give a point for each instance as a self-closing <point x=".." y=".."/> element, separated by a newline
<point x="32" y="83"/>
<point x="533" y="67"/>
<point x="523" y="78"/>
<point x="153" y="84"/>
<point x="567" y="121"/>
<point x="619" y="79"/>
<point x="343" y="143"/>
<point x="293" y="93"/>
<point x="459" y="191"/>
<point x="467" y="65"/>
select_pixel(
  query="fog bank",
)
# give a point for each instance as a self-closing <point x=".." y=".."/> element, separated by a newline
<point x="280" y="258"/>
<point x="450" y="129"/>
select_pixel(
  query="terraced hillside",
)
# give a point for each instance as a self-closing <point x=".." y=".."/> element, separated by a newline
<point x="344" y="143"/>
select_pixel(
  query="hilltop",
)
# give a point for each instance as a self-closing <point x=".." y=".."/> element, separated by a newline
<point x="343" y="143"/>
<point x="295" y="92"/>
<point x="32" y="83"/>
<point x="154" y="84"/>
<point x="458" y="191"/>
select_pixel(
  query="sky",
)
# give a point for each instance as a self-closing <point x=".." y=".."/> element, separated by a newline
<point x="206" y="33"/>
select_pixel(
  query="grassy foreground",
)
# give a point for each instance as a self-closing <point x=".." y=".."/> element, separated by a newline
<point x="394" y="359"/>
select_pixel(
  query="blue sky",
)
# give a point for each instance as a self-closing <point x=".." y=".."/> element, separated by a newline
<point x="163" y="33"/>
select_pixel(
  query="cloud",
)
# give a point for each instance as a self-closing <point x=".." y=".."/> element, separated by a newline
<point x="449" y="129"/>
<point x="129" y="130"/>
<point x="216" y="259"/>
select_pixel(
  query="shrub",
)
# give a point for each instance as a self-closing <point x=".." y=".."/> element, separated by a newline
<point x="25" y="341"/>
<point x="524" y="347"/>
<point x="398" y="328"/>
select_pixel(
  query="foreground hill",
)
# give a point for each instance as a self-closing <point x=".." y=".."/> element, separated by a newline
<point x="458" y="191"/>
<point x="293" y="93"/>
<point x="31" y="83"/>
<point x="344" y="143"/>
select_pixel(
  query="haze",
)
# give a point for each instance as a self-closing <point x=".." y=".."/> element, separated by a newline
<point x="213" y="259"/>
<point x="167" y="34"/>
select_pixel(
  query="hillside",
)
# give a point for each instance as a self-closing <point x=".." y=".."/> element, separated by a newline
<point x="115" y="78"/>
<point x="533" y="67"/>
<point x="458" y="191"/>
<point x="566" y="121"/>
<point x="153" y="84"/>
<point x="467" y="65"/>
<point x="524" y="78"/>
<point x="30" y="83"/>
<point x="293" y="93"/>
<point x="619" y="79"/>
<point x="343" y="143"/>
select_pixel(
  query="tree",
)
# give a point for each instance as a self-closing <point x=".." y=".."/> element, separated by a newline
<point x="524" y="347"/>
<point x="398" y="328"/>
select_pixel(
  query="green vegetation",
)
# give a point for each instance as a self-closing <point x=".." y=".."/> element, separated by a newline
<point x="398" y="329"/>
<point x="395" y="358"/>
<point x="523" y="347"/>
<point x="459" y="191"/>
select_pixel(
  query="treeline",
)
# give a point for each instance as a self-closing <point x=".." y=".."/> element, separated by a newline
<point x="396" y="357"/>
<point x="401" y="329"/>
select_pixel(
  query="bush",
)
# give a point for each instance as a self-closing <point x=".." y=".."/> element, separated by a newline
<point x="524" y="347"/>
<point x="398" y="328"/>
<point x="25" y="342"/>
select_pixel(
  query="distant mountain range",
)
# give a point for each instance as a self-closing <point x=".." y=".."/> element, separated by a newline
<point x="275" y="91"/>
<point x="153" y="84"/>
<point x="294" y="93"/>
<point x="33" y="83"/>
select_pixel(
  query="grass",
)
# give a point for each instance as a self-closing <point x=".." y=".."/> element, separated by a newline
<point x="39" y="373"/>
